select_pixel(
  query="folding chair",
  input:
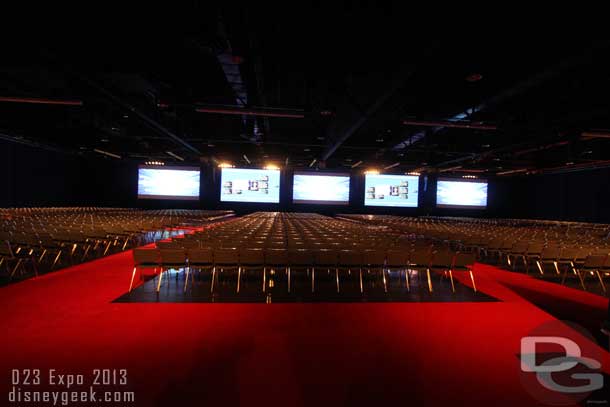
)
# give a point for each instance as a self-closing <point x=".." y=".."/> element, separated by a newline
<point x="549" y="255"/>
<point x="420" y="260"/>
<point x="376" y="259"/>
<point x="275" y="259"/>
<point x="144" y="258"/>
<point x="517" y="251"/>
<point x="442" y="261"/>
<point x="200" y="258"/>
<point x="465" y="262"/>
<point x="249" y="259"/>
<point x="348" y="260"/>
<point x="396" y="260"/>
<point x="534" y="250"/>
<point x="168" y="245"/>
<point x="8" y="255"/>
<point x="224" y="258"/>
<point x="301" y="259"/>
<point x="169" y="259"/>
<point x="592" y="265"/>
<point x="325" y="258"/>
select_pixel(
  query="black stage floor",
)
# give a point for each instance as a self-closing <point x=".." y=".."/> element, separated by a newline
<point x="198" y="290"/>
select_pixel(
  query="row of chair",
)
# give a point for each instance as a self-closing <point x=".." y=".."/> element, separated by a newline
<point x="567" y="248"/>
<point x="40" y="239"/>
<point x="318" y="242"/>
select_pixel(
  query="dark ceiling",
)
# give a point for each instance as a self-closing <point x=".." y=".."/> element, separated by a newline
<point x="370" y="84"/>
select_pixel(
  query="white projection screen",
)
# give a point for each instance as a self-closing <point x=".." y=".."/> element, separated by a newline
<point x="161" y="182"/>
<point x="451" y="193"/>
<point x="250" y="185"/>
<point x="320" y="188"/>
<point x="391" y="190"/>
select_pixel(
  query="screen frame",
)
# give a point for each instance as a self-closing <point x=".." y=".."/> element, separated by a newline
<point x="279" y="196"/>
<point x="322" y="174"/>
<point x="171" y="168"/>
<point x="392" y="206"/>
<point x="462" y="180"/>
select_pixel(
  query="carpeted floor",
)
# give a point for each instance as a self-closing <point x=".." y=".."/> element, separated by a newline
<point x="288" y="354"/>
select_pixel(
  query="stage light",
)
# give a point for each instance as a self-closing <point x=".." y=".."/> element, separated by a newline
<point x="371" y="172"/>
<point x="271" y="167"/>
<point x="413" y="173"/>
<point x="225" y="165"/>
<point x="391" y="166"/>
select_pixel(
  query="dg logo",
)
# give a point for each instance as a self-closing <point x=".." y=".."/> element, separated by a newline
<point x="560" y="364"/>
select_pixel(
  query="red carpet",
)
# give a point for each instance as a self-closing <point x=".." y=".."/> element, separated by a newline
<point x="278" y="354"/>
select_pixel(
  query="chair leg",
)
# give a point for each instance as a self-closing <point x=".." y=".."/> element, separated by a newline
<point x="337" y="278"/>
<point x="313" y="279"/>
<point x="581" y="279"/>
<point x="16" y="267"/>
<point x="564" y="275"/>
<point x="556" y="267"/>
<point x="408" y="284"/>
<point x="34" y="265"/>
<point x="56" y="259"/>
<point x="84" y="254"/>
<point x="107" y="248"/>
<point x="288" y="272"/>
<point x="539" y="267"/>
<point x="160" y="279"/>
<point x="238" y="278"/>
<point x="125" y="244"/>
<point x="213" y="278"/>
<point x="451" y="279"/>
<point x="385" y="281"/>
<point x="429" y="280"/>
<point x="361" y="285"/>
<point x="186" y="279"/>
<point x="472" y="279"/>
<point x="601" y="281"/>
<point x="44" y="251"/>
<point x="264" y="279"/>
<point x="133" y="275"/>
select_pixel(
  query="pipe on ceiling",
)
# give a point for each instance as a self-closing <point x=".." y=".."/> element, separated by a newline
<point x="459" y="125"/>
<point x="41" y="101"/>
<point x="262" y="112"/>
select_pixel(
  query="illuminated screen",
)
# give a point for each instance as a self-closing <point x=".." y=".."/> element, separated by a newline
<point x="320" y="188"/>
<point x="461" y="194"/>
<point x="391" y="190"/>
<point x="168" y="183"/>
<point x="250" y="185"/>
